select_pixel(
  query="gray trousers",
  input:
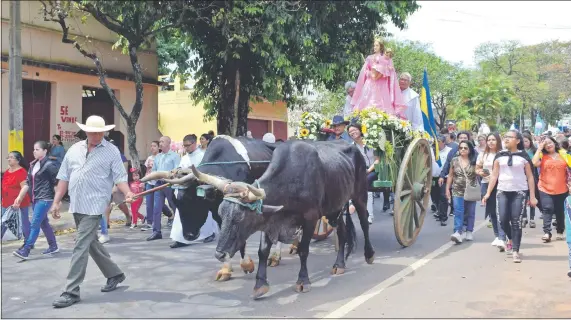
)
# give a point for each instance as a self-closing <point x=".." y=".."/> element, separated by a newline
<point x="86" y="242"/>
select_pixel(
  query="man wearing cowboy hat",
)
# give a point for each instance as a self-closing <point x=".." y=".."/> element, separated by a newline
<point x="338" y="124"/>
<point x="89" y="169"/>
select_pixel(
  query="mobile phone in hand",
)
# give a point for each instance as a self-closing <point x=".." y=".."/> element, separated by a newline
<point x="486" y="172"/>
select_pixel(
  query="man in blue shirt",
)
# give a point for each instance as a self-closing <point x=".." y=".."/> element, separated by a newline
<point x="338" y="124"/>
<point x="165" y="161"/>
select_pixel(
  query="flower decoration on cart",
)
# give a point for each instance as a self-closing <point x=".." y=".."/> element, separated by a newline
<point x="310" y="126"/>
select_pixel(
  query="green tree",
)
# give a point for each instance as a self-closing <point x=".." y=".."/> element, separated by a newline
<point x="272" y="49"/>
<point x="136" y="23"/>
<point x="488" y="99"/>
<point x="446" y="80"/>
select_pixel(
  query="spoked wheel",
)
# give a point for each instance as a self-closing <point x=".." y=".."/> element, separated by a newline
<point x="322" y="229"/>
<point x="412" y="192"/>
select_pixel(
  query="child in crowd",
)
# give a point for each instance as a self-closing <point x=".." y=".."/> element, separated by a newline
<point x="136" y="187"/>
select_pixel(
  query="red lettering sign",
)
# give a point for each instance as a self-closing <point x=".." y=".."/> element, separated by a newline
<point x="68" y="119"/>
<point x="63" y="110"/>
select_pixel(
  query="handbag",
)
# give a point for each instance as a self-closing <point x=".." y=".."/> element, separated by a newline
<point x="11" y="220"/>
<point x="471" y="193"/>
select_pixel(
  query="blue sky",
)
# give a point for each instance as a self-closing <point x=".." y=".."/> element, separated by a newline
<point x="456" y="28"/>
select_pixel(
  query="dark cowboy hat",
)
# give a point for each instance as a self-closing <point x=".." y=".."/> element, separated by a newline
<point x="337" y="120"/>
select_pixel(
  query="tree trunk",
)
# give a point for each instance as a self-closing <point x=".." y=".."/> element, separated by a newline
<point x="225" y="112"/>
<point x="243" y="110"/>
<point x="236" y="104"/>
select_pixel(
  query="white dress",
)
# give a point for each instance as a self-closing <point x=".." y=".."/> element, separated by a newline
<point x="209" y="227"/>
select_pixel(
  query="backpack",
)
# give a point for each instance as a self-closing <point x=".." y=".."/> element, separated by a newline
<point x="11" y="220"/>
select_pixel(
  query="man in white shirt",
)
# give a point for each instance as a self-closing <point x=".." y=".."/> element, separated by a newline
<point x="193" y="156"/>
<point x="412" y="101"/>
<point x="438" y="193"/>
<point x="348" y="108"/>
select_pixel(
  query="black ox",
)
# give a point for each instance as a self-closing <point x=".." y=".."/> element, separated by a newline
<point x="220" y="159"/>
<point x="304" y="181"/>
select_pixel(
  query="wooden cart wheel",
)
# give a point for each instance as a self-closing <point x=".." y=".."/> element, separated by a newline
<point x="412" y="191"/>
<point x="322" y="229"/>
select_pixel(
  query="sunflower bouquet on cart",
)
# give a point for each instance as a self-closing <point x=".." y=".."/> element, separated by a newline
<point x="387" y="135"/>
<point x="310" y="126"/>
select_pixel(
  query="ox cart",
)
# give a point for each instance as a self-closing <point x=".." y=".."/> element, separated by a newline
<point x="404" y="167"/>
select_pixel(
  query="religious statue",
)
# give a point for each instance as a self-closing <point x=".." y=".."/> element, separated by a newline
<point x="378" y="83"/>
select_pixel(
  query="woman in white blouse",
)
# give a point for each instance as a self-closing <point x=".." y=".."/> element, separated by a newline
<point x="484" y="167"/>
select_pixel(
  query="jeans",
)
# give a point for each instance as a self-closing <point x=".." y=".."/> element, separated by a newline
<point x="103" y="223"/>
<point x="531" y="212"/>
<point x="443" y="203"/>
<point x="553" y="204"/>
<point x="24" y="223"/>
<point x="150" y="204"/>
<point x="510" y="210"/>
<point x="159" y="202"/>
<point x="40" y="221"/>
<point x="463" y="208"/>
<point x="491" y="209"/>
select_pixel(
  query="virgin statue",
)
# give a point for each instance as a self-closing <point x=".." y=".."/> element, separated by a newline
<point x="378" y="83"/>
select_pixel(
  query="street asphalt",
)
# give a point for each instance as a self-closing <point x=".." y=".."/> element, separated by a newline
<point x="432" y="278"/>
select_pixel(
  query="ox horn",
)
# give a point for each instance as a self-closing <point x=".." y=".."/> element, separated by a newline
<point x="218" y="183"/>
<point x="256" y="193"/>
<point x="156" y="175"/>
<point x="184" y="180"/>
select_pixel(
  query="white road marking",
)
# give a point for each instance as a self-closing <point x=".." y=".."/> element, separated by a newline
<point x="376" y="290"/>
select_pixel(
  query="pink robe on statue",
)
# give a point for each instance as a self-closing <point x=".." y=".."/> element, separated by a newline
<point x="383" y="93"/>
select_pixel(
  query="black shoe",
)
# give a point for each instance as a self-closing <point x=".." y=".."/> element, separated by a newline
<point x="65" y="300"/>
<point x="128" y="223"/>
<point x="433" y="209"/>
<point x="443" y="223"/>
<point x="209" y="238"/>
<point x="386" y="207"/>
<point x="177" y="244"/>
<point x="113" y="282"/>
<point x="155" y="236"/>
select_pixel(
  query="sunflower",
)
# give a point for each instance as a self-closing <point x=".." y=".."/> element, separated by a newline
<point x="327" y="123"/>
<point x="364" y="129"/>
<point x="304" y="132"/>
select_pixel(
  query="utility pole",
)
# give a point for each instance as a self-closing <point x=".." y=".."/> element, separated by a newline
<point x="16" y="139"/>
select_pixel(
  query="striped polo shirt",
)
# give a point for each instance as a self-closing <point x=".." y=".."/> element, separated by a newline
<point x="91" y="176"/>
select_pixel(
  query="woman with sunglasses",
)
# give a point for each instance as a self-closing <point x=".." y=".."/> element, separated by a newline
<point x="515" y="182"/>
<point x="484" y="167"/>
<point x="462" y="172"/>
<point x="553" y="184"/>
<point x="13" y="180"/>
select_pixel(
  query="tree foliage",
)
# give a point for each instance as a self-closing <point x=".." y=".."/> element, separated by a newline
<point x="540" y="74"/>
<point x="273" y="49"/>
<point x="136" y="23"/>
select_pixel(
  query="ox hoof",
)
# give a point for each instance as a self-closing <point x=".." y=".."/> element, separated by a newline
<point x="370" y="260"/>
<point x="260" y="292"/>
<point x="293" y="249"/>
<point x="337" y="271"/>
<point x="247" y="265"/>
<point x="302" y="288"/>
<point x="223" y="275"/>
<point x="274" y="260"/>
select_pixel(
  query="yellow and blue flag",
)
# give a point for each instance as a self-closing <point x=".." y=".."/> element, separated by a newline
<point x="427" y="116"/>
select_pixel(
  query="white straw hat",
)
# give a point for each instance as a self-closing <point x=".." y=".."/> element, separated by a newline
<point x="95" y="124"/>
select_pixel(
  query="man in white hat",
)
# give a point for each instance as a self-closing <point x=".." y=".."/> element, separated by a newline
<point x="89" y="169"/>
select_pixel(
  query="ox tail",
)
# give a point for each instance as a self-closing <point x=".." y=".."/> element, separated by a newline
<point x="351" y="233"/>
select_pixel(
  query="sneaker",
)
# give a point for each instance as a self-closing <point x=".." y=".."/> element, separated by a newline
<point x="495" y="242"/>
<point x="22" y="253"/>
<point x="51" y="250"/>
<point x="469" y="236"/>
<point x="524" y="223"/>
<point x="104" y="238"/>
<point x="65" y="300"/>
<point x="128" y="224"/>
<point x="560" y="236"/>
<point x="146" y="227"/>
<point x="370" y="218"/>
<point x="532" y="224"/>
<point x="546" y="237"/>
<point x="517" y="257"/>
<point x="133" y="226"/>
<point x="501" y="245"/>
<point x="456" y="237"/>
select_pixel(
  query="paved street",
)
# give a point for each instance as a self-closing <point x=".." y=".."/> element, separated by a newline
<point x="432" y="278"/>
